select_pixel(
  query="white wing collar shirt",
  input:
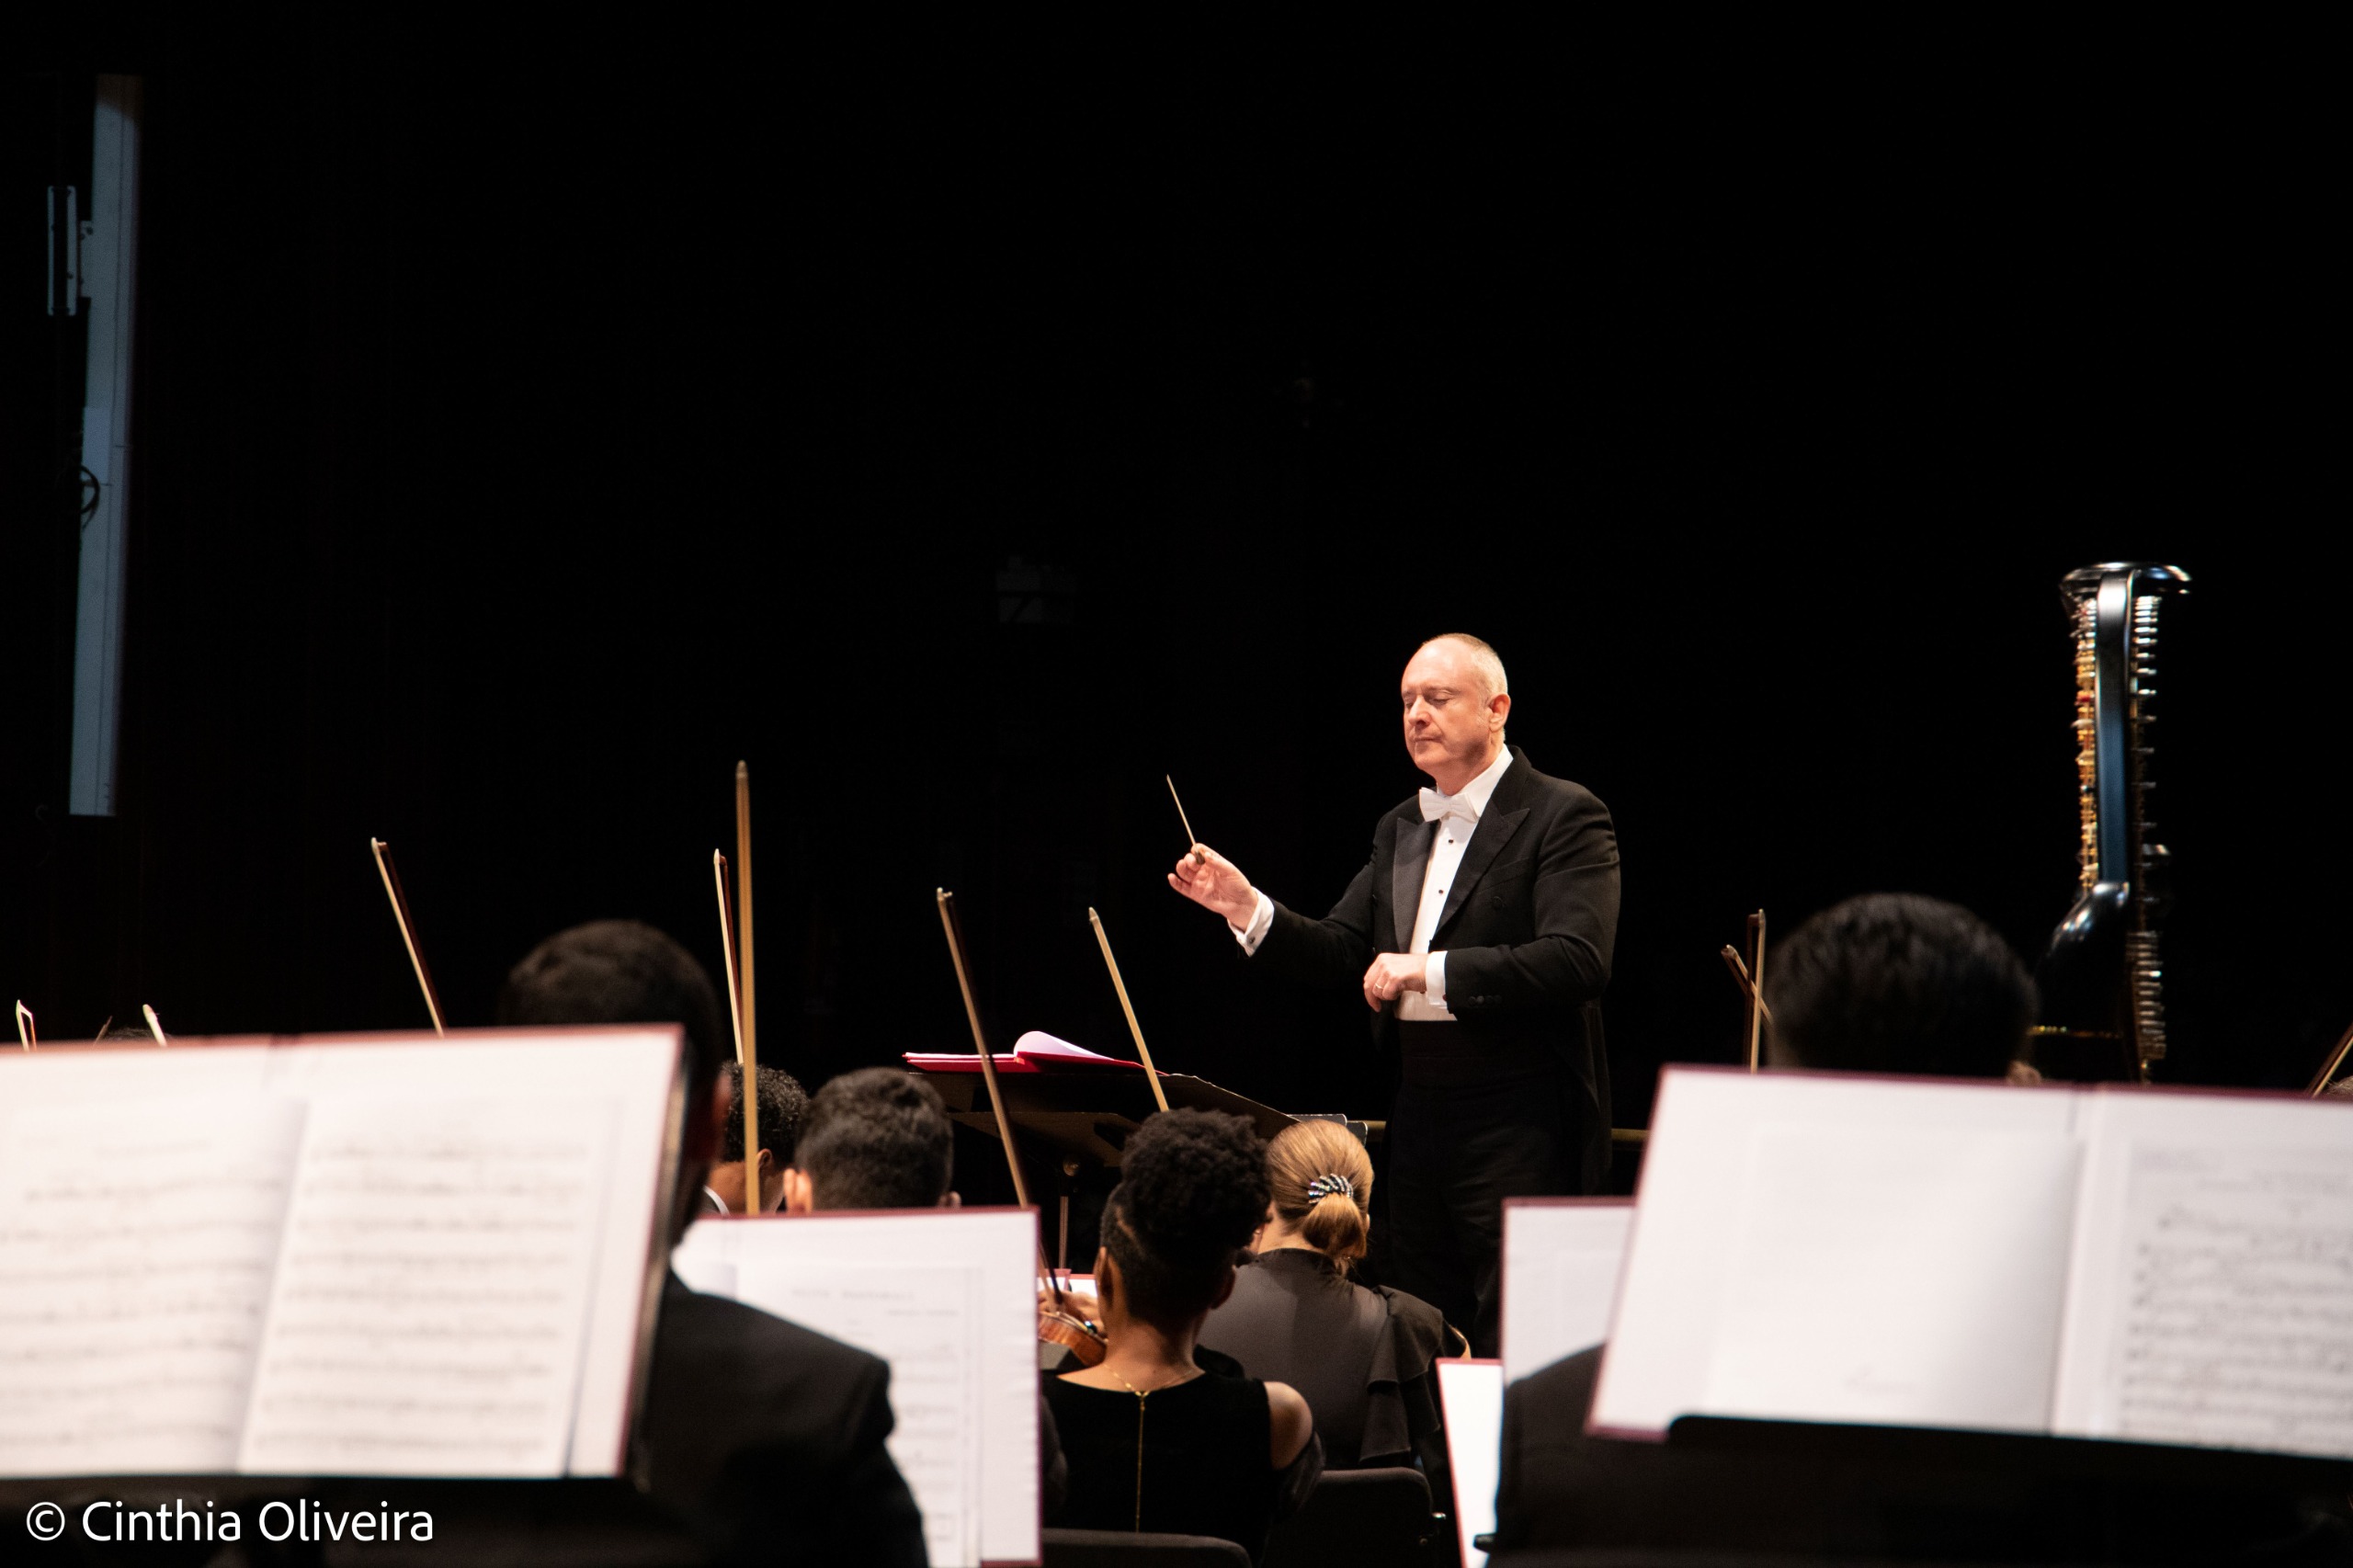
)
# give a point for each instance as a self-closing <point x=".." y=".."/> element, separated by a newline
<point x="1456" y="816"/>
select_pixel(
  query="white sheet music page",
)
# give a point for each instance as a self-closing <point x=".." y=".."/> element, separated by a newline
<point x="391" y="1253"/>
<point x="1690" y="1220"/>
<point x="1561" y="1259"/>
<point x="2213" y="1302"/>
<point x="947" y="1296"/>
<point x="922" y="1318"/>
<point x="1910" y="1277"/>
<point x="136" y="1245"/>
<point x="432" y="1289"/>
<point x="594" y="1105"/>
<point x="1472" y="1393"/>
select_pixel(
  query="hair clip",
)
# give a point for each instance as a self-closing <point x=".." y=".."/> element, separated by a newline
<point x="1323" y="1187"/>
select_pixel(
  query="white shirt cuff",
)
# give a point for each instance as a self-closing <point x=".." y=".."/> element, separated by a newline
<point x="1434" y="981"/>
<point x="1256" y="932"/>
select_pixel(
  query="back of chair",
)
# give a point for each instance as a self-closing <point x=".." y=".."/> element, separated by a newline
<point x="1365" y="1518"/>
<point x="1123" y="1549"/>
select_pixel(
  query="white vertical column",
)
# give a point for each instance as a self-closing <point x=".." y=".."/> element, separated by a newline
<point x="110" y="281"/>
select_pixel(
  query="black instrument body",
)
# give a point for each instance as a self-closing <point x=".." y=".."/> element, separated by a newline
<point x="2101" y="980"/>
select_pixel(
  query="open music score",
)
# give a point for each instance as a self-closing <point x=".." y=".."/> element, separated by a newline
<point x="2163" y="1266"/>
<point x="449" y="1341"/>
<point x="1562" y="1261"/>
<point x="390" y="1255"/>
<point x="947" y="1296"/>
<point x="2213" y="1274"/>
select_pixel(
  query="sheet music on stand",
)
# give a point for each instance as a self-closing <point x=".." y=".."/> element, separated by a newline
<point x="2152" y="1266"/>
<point x="1471" y="1396"/>
<point x="949" y="1298"/>
<point x="386" y="1254"/>
<point x="1562" y="1260"/>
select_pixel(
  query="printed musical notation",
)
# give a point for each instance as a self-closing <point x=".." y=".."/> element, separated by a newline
<point x="2237" y="1321"/>
<point x="135" y="1258"/>
<point x="432" y="1291"/>
<point x="923" y="1319"/>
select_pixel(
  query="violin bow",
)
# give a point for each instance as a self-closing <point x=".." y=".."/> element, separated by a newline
<point x="1126" y="1007"/>
<point x="734" y="1012"/>
<point x="949" y="923"/>
<point x="2336" y="1058"/>
<point x="1740" y="974"/>
<point x="383" y="852"/>
<point x="747" y="1045"/>
<point x="1756" y="1013"/>
<point x="26" y="1035"/>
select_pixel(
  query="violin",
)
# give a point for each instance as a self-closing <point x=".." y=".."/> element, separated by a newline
<point x="1059" y="1324"/>
<point x="1073" y="1334"/>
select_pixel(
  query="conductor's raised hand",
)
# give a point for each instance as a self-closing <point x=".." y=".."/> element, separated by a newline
<point x="1211" y="880"/>
<point x="1393" y="974"/>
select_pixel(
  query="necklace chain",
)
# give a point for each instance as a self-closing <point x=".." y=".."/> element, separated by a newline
<point x="1146" y="1393"/>
<point x="1142" y="1395"/>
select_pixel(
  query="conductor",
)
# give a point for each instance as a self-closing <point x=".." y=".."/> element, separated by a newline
<point x="1480" y="933"/>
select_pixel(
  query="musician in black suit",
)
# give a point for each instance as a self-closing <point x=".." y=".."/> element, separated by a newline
<point x="1479" y="934"/>
<point x="765" y="1436"/>
<point x="1884" y="983"/>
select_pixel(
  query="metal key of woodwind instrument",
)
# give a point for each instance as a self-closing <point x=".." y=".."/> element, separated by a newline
<point x="2101" y="978"/>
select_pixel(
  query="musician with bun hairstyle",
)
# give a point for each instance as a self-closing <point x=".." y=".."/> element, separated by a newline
<point x="1159" y="1438"/>
<point x="1363" y="1357"/>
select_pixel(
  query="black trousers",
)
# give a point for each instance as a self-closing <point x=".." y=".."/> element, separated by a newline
<point x="1456" y="1152"/>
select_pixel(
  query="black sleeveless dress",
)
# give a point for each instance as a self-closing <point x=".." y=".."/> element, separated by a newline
<point x="1190" y="1459"/>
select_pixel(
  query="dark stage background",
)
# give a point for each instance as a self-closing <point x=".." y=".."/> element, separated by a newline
<point x="520" y="444"/>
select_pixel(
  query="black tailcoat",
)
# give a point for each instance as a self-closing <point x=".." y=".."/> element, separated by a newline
<point x="1527" y="928"/>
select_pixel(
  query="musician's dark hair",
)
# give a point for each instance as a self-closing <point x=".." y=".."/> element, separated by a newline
<point x="784" y="1107"/>
<point x="1192" y="1188"/>
<point x="1899" y="983"/>
<point x="878" y="1138"/>
<point x="619" y="972"/>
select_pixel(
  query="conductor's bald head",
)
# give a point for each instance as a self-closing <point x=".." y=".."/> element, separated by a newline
<point x="1455" y="699"/>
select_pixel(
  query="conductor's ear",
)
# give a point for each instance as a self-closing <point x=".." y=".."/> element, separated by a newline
<point x="1499" y="705"/>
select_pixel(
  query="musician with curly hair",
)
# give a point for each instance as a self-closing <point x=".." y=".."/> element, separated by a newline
<point x="1162" y="1437"/>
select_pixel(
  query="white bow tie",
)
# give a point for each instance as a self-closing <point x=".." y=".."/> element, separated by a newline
<point x="1435" y="807"/>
